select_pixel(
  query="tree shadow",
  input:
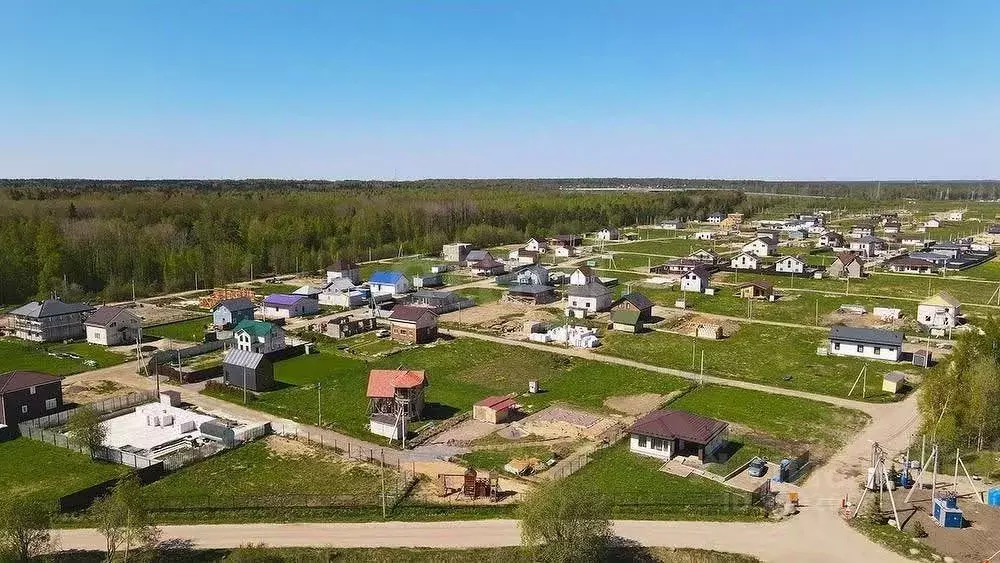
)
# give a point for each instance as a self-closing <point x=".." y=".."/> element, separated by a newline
<point x="727" y="451"/>
<point x="438" y="411"/>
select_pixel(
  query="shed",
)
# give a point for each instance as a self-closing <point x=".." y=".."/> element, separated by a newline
<point x="626" y="320"/>
<point x="243" y="368"/>
<point x="635" y="302"/>
<point x="893" y="381"/>
<point x="922" y="358"/>
<point x="708" y="331"/>
<point x="756" y="290"/>
<point x="494" y="410"/>
<point x="387" y="425"/>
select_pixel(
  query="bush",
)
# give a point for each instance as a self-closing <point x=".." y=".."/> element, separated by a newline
<point x="918" y="530"/>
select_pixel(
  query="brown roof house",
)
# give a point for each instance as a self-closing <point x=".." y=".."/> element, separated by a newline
<point x="395" y="396"/>
<point x="667" y="433"/>
<point x="494" y="410"/>
<point x="413" y="325"/>
<point x="847" y="265"/>
<point x="635" y="302"/>
<point x="112" y="326"/>
<point x="755" y="290"/>
<point x="25" y="395"/>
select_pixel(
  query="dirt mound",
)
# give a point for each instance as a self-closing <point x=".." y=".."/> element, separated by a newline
<point x="634" y="404"/>
<point x="689" y="324"/>
<point x="286" y="447"/>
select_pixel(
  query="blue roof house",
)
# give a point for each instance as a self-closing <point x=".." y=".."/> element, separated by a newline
<point x="388" y="283"/>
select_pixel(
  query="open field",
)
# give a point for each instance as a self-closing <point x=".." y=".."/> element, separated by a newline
<point x="460" y="372"/>
<point x="495" y="459"/>
<point x="408" y="266"/>
<point x="191" y="330"/>
<point x="269" y="288"/>
<point x="46" y="472"/>
<point x="678" y="247"/>
<point x="481" y="295"/>
<point x="766" y="354"/>
<point x="31" y="356"/>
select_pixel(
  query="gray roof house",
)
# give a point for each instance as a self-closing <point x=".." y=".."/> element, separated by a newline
<point x="872" y="343"/>
<point x="592" y="297"/>
<point x="49" y="320"/>
<point x="245" y="369"/>
<point x="229" y="312"/>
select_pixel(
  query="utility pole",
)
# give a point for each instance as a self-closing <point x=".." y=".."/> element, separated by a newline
<point x="701" y="380"/>
<point x="319" y="402"/>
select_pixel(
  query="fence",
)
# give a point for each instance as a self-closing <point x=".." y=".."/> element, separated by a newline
<point x="103" y="453"/>
<point x="167" y="356"/>
<point x="572" y="464"/>
<point x="113" y="404"/>
<point x="83" y="498"/>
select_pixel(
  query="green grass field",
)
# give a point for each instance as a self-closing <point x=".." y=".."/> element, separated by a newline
<point x="269" y="288"/>
<point x="31" y="469"/>
<point x="408" y="266"/>
<point x="770" y="355"/>
<point x="32" y="356"/>
<point x="494" y="460"/>
<point x="460" y="372"/>
<point x="190" y="330"/>
<point x="481" y="295"/>
<point x="670" y="247"/>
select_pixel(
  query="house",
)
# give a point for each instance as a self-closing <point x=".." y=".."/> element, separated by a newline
<point x="940" y="311"/>
<point x="957" y="215"/>
<point x="932" y="223"/>
<point x="440" y="302"/>
<point x="565" y="251"/>
<point x="893" y="381"/>
<point x="872" y="343"/>
<point x="892" y="226"/>
<point x="798" y="234"/>
<point x="744" y="261"/>
<point x="258" y="336"/>
<point x="696" y="280"/>
<point x="761" y="247"/>
<point x="343" y="269"/>
<point x="566" y="240"/>
<point x="583" y="276"/>
<point x="704" y="235"/>
<point x="532" y="294"/>
<point x="755" y="290"/>
<point x="245" y="369"/>
<point x="308" y="291"/>
<point x="229" y="312"/>
<point x="494" y="410"/>
<point x="790" y="265"/>
<point x="342" y="292"/>
<point x="388" y="283"/>
<point x="704" y="256"/>
<point x="474" y="256"/>
<point x="626" y="321"/>
<point x="26" y="395"/>
<point x="396" y="392"/>
<point x="862" y="230"/>
<point x="868" y="245"/>
<point x="531" y="275"/>
<point x="716" y="217"/>
<point x="523" y="256"/>
<point x="349" y="325"/>
<point x="635" y="302"/>
<point x="847" y="265"/>
<point x="590" y="298"/>
<point x="412" y="325"/>
<point x="674" y="225"/>
<point x="428" y="280"/>
<point x="910" y="265"/>
<point x="488" y="267"/>
<point x="286" y="306"/>
<point x="608" y="233"/>
<point x="455" y="252"/>
<point x="49" y="321"/>
<point x="676" y="266"/>
<point x="832" y="239"/>
<point x="112" y="326"/>
<point x="536" y="245"/>
<point x="664" y="434"/>
<point x="939" y="259"/>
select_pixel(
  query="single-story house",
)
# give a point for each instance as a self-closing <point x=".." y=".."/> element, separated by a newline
<point x="49" y="321"/>
<point x="798" y="234"/>
<point x="565" y="251"/>
<point x="523" y="256"/>
<point x="488" y="267"/>
<point x="626" y="321"/>
<point x="676" y="266"/>
<point x="440" y="302"/>
<point x="790" y="265"/>
<point x="309" y="291"/>
<point x="477" y="255"/>
<point x="245" y="369"/>
<point x="744" y="261"/>
<point x="847" y="265"/>
<point x="932" y="223"/>
<point x="534" y="294"/>
<point x="715" y="217"/>
<point x="535" y="274"/>
<point x="566" y="240"/>
<point x="608" y="233"/>
<point x="413" y="325"/>
<point x="635" y="302"/>
<point x="696" y="280"/>
<point x="872" y="343"/>
<point x="705" y="256"/>
<point x="755" y="290"/>
<point x="428" y="280"/>
<point x="343" y="269"/>
<point x="591" y="298"/>
<point x="112" y="326"/>
<point x="667" y="433"/>
<point x="229" y="312"/>
<point x="259" y="336"/>
<point x="388" y="283"/>
<point x="910" y="265"/>
<point x="286" y="306"/>
<point x="494" y="410"/>
<point x="26" y="395"/>
<point x="672" y="225"/>
<point x="940" y="311"/>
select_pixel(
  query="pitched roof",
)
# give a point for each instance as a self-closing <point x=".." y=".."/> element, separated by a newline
<point x="283" y="299"/>
<point x="409" y="314"/>
<point x="382" y="383"/>
<point x="590" y="289"/>
<point x="341" y="265"/>
<point x="766" y="286"/>
<point x="496" y="403"/>
<point x="894" y="376"/>
<point x="386" y="277"/>
<point x="638" y="300"/>
<point x="585" y="270"/>
<point x="529" y="289"/>
<point x="846" y="258"/>
<point x="747" y="254"/>
<point x="104" y="315"/>
<point x="49" y="308"/>
<point x="943" y="299"/>
<point x="307" y="290"/>
<point x="256" y="328"/>
<point x="18" y="380"/>
<point x="339" y="284"/>
<point x="700" y="271"/>
<point x="866" y="335"/>
<point x="244" y="358"/>
<point x="912" y="262"/>
<point x="625" y="317"/>
<point x="671" y="424"/>
<point x="477" y="255"/>
<point x="235" y="304"/>
<point x="796" y="258"/>
<point x="870" y="239"/>
<point x="487" y="263"/>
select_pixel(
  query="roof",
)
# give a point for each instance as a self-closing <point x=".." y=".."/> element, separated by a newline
<point x="283" y="299"/>
<point x="307" y="290"/>
<point x="339" y="284"/>
<point x="244" y="358"/>
<point x="833" y="234"/>
<point x="487" y="263"/>
<point x="388" y="277"/>
<point x="18" y="380"/>
<point x="638" y="300"/>
<point x="764" y="239"/>
<point x="943" y="299"/>
<point x="914" y="262"/>
<point x="862" y="226"/>
<point x="708" y="251"/>
<point x="432" y="295"/>
<point x="766" y="286"/>
<point x="866" y="335"/>
<point x="585" y="270"/>
<point x="409" y="314"/>
<point x="49" y="308"/>
<point x="625" y="317"/>
<point x="796" y="258"/>
<point x="870" y="239"/>
<point x="383" y="382"/>
<point x="747" y="254"/>
<point x="236" y="304"/>
<point x="256" y="328"/>
<point x="846" y="258"/>
<point x="477" y="255"/>
<point x="671" y="424"/>
<point x="496" y="403"/>
<point x="700" y="271"/>
<point x="590" y="289"/>
<point x="341" y="265"/>
<point x="104" y="315"/>
<point x="529" y="289"/>
<point x="895" y="376"/>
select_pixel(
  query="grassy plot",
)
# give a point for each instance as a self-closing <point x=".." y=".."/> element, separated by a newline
<point x="269" y="288"/>
<point x="53" y="358"/>
<point x="669" y="247"/>
<point x="460" y="372"/>
<point x="31" y="469"/>
<point x="481" y="295"/>
<point x="766" y="354"/>
<point x="408" y="266"/>
<point x="989" y="271"/>
<point x="190" y="330"/>
<point x="494" y="460"/>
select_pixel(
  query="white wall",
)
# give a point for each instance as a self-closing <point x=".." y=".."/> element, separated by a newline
<point x="790" y="266"/>
<point x="648" y="450"/>
<point x="936" y="316"/>
<point x="887" y="353"/>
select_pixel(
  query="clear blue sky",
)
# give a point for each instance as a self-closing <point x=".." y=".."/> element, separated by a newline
<point x="809" y="89"/>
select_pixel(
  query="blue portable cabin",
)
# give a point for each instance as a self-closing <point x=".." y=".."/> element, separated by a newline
<point x="946" y="512"/>
<point x="993" y="496"/>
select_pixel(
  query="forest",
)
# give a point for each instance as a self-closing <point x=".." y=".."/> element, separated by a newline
<point x="83" y="239"/>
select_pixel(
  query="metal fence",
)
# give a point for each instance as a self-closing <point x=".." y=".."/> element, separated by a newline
<point x="104" y="406"/>
<point x="103" y="453"/>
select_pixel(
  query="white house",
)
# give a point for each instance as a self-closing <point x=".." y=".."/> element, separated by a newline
<point x="704" y="235"/>
<point x="522" y="256"/>
<point x="869" y="343"/>
<point x="832" y="239"/>
<point x="868" y="245"/>
<point x="343" y="269"/>
<point x="582" y="276"/>
<point x="932" y="223"/>
<point x="672" y="225"/>
<point x="565" y="251"/>
<point x="790" y="265"/>
<point x="696" y="280"/>
<point x="112" y="326"/>
<point x="388" y="283"/>
<point x="716" y="217"/>
<point x="704" y="256"/>
<point x="761" y="247"/>
<point x="608" y="233"/>
<point x="259" y="337"/>
<point x="862" y="230"/>
<point x="664" y="434"/>
<point x="744" y="261"/>
<point x="286" y="306"/>
<point x="957" y="215"/>
<point x="590" y="298"/>
<point x="940" y="311"/>
<point x="536" y="245"/>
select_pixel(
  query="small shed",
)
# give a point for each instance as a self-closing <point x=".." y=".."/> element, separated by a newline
<point x="494" y="410"/>
<point x="388" y="425"/>
<point x="893" y="381"/>
<point x="428" y="280"/>
<point x="626" y="320"/>
<point x="922" y="358"/>
<point x="756" y="290"/>
<point x="708" y="331"/>
<point x="246" y="369"/>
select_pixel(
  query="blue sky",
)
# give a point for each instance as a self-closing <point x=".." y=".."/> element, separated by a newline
<point x="415" y="89"/>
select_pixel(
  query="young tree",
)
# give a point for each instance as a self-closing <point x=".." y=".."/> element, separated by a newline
<point x="24" y="528"/>
<point x="86" y="429"/>
<point x="562" y="524"/>
<point x="124" y="519"/>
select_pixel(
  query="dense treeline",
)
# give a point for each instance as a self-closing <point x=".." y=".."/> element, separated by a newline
<point x="88" y="239"/>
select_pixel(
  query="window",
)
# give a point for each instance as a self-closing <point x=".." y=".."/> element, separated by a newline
<point x="861" y="348"/>
<point x="32" y="390"/>
<point x="877" y="350"/>
<point x="24" y="409"/>
<point x="642" y="441"/>
<point x="50" y="404"/>
<point x="836" y="345"/>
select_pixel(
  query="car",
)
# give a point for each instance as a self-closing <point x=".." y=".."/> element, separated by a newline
<point x="382" y="333"/>
<point x="758" y="467"/>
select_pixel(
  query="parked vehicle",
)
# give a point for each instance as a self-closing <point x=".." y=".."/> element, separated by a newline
<point x="758" y="467"/>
